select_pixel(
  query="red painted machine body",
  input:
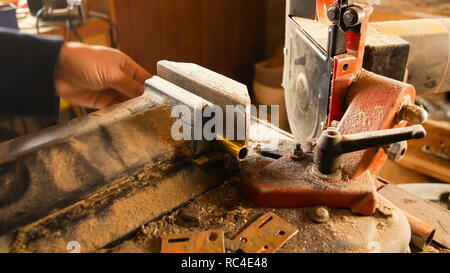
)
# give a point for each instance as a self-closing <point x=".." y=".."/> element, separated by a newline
<point x="362" y="102"/>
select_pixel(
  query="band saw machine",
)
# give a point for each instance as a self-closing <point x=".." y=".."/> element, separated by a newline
<point x="349" y="110"/>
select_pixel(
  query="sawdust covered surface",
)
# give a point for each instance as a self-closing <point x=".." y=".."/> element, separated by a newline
<point x="54" y="225"/>
<point x="433" y="248"/>
<point x="225" y="209"/>
<point x="290" y="172"/>
<point x="220" y="209"/>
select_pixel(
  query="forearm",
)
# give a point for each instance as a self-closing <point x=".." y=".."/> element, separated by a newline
<point x="27" y="74"/>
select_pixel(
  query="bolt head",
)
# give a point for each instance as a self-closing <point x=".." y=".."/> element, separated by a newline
<point x="320" y="215"/>
<point x="298" y="150"/>
<point x="350" y="18"/>
<point x="333" y="13"/>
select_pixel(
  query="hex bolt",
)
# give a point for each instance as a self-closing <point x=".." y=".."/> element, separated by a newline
<point x="298" y="152"/>
<point x="353" y="16"/>
<point x="333" y="13"/>
<point x="396" y="151"/>
<point x="412" y="113"/>
<point x="320" y="215"/>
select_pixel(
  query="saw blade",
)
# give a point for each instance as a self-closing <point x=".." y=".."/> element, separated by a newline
<point x="308" y="87"/>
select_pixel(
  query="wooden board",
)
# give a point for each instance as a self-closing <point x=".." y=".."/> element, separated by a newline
<point x="398" y="174"/>
<point x="416" y="159"/>
<point x="424" y="210"/>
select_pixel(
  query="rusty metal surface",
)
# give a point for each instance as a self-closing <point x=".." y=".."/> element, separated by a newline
<point x="373" y="104"/>
<point x="291" y="183"/>
<point x="266" y="235"/>
<point x="202" y="242"/>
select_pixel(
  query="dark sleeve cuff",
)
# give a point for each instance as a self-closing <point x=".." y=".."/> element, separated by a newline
<point x="27" y="74"/>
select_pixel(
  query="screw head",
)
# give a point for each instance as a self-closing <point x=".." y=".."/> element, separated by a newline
<point x="320" y="215"/>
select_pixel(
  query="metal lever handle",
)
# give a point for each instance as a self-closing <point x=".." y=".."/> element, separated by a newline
<point x="331" y="144"/>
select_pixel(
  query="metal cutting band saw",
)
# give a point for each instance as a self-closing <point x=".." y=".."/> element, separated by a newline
<point x="75" y="180"/>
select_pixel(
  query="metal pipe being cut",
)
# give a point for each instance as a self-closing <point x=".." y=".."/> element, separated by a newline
<point x="235" y="149"/>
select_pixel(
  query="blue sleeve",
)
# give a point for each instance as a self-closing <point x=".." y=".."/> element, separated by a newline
<point x="27" y="74"/>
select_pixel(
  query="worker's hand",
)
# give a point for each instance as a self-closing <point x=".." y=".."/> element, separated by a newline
<point x="97" y="77"/>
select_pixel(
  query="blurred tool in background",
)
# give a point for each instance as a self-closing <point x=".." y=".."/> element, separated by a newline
<point x="267" y="89"/>
<point x="73" y="12"/>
